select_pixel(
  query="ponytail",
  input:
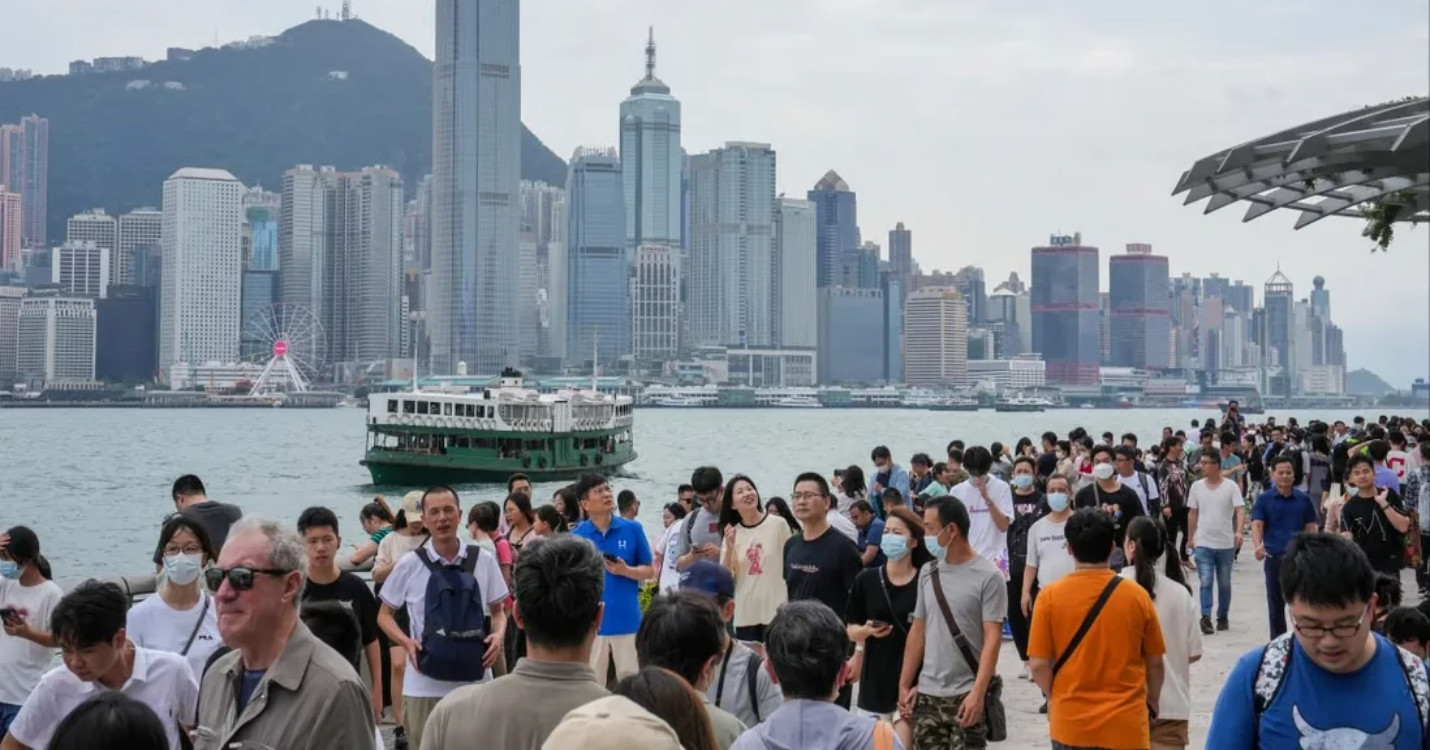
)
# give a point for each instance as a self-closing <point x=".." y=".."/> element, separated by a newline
<point x="1143" y="532"/>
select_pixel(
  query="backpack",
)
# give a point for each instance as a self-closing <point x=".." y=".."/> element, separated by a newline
<point x="1276" y="663"/>
<point x="752" y="683"/>
<point x="453" y="620"/>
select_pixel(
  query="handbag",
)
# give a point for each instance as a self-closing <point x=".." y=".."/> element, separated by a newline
<point x="995" y="715"/>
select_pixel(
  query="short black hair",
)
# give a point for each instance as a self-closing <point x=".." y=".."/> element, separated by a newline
<point x="335" y="625"/>
<point x="863" y="506"/>
<point x="921" y="459"/>
<point x="179" y="522"/>
<point x="1125" y="451"/>
<point x="955" y="454"/>
<point x="1100" y="448"/>
<point x="439" y="489"/>
<point x="996" y="448"/>
<point x="1279" y="459"/>
<point x="1388" y="591"/>
<point x="486" y="515"/>
<point x="1405" y="624"/>
<point x="1091" y="535"/>
<point x="1050" y="438"/>
<point x="879" y="452"/>
<point x="110" y="720"/>
<point x="92" y="613"/>
<point x="1326" y="570"/>
<point x="817" y="478"/>
<point x="1025" y="460"/>
<point x="187" y="485"/>
<point x="1129" y="436"/>
<point x="806" y="644"/>
<point x="951" y="512"/>
<point x="514" y="478"/>
<point x="625" y="500"/>
<point x="1378" y="450"/>
<point x="891" y="496"/>
<point x="680" y="631"/>
<point x="706" y="479"/>
<point x="1228" y="438"/>
<point x="317" y="517"/>
<point x="558" y="583"/>
<point x="977" y="460"/>
<point x="589" y="482"/>
<point x="684" y="488"/>
<point x="1357" y="459"/>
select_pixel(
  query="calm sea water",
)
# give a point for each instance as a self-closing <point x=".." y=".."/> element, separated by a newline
<point x="94" y="483"/>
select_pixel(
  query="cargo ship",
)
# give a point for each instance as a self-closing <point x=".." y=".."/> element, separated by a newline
<point x="421" y="438"/>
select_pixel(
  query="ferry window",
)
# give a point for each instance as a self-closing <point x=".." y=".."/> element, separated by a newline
<point x="447" y="409"/>
<point x="408" y="407"/>
<point x="471" y="410"/>
<point x="392" y="406"/>
<point x="436" y="407"/>
<point x="421" y="407"/>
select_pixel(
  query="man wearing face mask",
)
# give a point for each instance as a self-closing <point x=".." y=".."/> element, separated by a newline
<point x="1028" y="507"/>
<point x="26" y="600"/>
<point x="1108" y="494"/>
<point x="989" y="501"/>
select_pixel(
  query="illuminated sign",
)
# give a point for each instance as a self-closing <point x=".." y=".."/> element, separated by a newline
<point x="1064" y="240"/>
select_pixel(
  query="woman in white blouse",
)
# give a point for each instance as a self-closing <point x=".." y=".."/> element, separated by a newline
<point x="180" y="618"/>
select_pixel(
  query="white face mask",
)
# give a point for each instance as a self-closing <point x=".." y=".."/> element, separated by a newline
<point x="183" y="570"/>
<point x="1102" y="471"/>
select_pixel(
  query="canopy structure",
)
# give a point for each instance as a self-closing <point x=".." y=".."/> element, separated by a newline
<point x="1329" y="167"/>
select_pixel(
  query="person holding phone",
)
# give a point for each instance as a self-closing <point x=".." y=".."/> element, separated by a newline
<point x="26" y="600"/>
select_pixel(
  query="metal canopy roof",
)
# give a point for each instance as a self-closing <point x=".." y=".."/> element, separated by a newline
<point x="1328" y="167"/>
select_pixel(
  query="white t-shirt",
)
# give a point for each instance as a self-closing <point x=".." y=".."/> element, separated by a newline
<point x="983" y="534"/>
<point x="843" y="525"/>
<point x="155" y="625"/>
<point x="408" y="586"/>
<point x="1048" y="550"/>
<point x="161" y="681"/>
<point x="1134" y="482"/>
<point x="1177" y="612"/>
<point x="1216" y="513"/>
<point x="668" y="545"/>
<point x="23" y="662"/>
<point x="1400" y="462"/>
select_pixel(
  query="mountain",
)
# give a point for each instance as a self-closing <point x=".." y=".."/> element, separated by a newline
<point x="1364" y="382"/>
<point x="256" y="112"/>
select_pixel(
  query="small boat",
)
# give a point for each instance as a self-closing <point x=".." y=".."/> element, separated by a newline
<point x="954" y="404"/>
<point x="798" y="402"/>
<point x="677" y="401"/>
<point x="1020" y="404"/>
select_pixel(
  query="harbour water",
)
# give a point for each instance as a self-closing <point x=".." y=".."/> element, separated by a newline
<point x="94" y="483"/>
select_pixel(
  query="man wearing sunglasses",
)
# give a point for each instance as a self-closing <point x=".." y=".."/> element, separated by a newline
<point x="1331" y="682"/>
<point x="280" y="687"/>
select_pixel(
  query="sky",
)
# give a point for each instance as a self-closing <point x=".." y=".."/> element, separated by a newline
<point x="984" y="126"/>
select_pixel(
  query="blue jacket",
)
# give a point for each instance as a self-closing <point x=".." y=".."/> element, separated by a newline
<point x="898" y="479"/>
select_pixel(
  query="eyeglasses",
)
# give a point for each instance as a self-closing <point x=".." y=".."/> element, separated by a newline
<point x="1339" y="631"/>
<point x="241" y="579"/>
<point x="190" y="549"/>
<point x="807" y="496"/>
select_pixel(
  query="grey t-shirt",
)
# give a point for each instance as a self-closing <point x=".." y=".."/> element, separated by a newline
<point x="706" y="530"/>
<point x="976" y="594"/>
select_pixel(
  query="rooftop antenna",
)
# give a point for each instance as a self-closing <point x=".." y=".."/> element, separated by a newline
<point x="347" y="10"/>
<point x="650" y="54"/>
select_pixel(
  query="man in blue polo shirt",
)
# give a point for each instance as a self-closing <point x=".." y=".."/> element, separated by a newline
<point x="628" y="562"/>
<point x="1280" y="513"/>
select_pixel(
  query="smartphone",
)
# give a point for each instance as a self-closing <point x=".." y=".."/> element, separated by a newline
<point x="609" y="557"/>
<point x="879" y="624"/>
<point x="9" y="613"/>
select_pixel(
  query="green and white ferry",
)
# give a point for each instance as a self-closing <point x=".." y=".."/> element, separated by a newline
<point x="420" y="438"/>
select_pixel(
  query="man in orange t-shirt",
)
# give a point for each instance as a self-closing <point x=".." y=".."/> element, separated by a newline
<point x="1105" y="693"/>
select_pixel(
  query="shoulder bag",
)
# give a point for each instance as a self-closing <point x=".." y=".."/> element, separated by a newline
<point x="994" y="713"/>
<point x="1086" y="623"/>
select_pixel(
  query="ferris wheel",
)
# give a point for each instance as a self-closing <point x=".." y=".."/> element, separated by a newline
<point x="289" y="339"/>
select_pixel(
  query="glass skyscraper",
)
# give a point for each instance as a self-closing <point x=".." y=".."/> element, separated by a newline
<point x="651" y="161"/>
<point x="730" y="280"/>
<point x="837" y="230"/>
<point x="1066" y="307"/>
<point x="597" y="274"/>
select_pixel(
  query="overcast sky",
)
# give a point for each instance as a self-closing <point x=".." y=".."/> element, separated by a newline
<point x="984" y="126"/>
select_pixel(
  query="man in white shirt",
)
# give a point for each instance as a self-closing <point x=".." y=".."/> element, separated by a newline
<point x="26" y="600"/>
<point x="1214" y="533"/>
<point x="407" y="586"/>
<point x="88" y="626"/>
<point x="989" y="501"/>
<point x="1125" y="462"/>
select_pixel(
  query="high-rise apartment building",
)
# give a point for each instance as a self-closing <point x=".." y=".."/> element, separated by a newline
<point x="796" y="301"/>
<point x="11" y="236"/>
<point x="25" y="169"/>
<point x="901" y="254"/>
<point x="361" y="307"/>
<point x="837" y="227"/>
<point x="12" y="155"/>
<point x="303" y="235"/>
<point x="82" y="268"/>
<point x="597" y="272"/>
<point x="200" y="282"/>
<point x="1140" y="306"/>
<point x="476" y="172"/>
<point x="936" y="338"/>
<point x="10" y="297"/>
<point x="139" y="231"/>
<point x="651" y="161"/>
<point x="1065" y="306"/>
<point x="729" y="278"/>
<point x="56" y="343"/>
<point x="655" y="303"/>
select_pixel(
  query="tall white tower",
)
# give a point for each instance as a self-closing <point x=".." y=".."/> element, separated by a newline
<point x="202" y="268"/>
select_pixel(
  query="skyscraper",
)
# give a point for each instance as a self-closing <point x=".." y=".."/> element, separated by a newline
<point x="852" y="328"/>
<point x="200" y="282"/>
<point x="100" y="228"/>
<point x="1065" y="307"/>
<point x="1140" y="306"/>
<point x="82" y="269"/>
<point x="1320" y="299"/>
<point x="650" y="160"/>
<point x="796" y="303"/>
<point x="837" y="227"/>
<point x="655" y="303"/>
<point x="901" y="254"/>
<point x="303" y="236"/>
<point x="362" y="292"/>
<point x="597" y="273"/>
<point x="11" y="219"/>
<point x="729" y="279"/>
<point x="476" y="176"/>
<point x="25" y="169"/>
<point x="935" y="338"/>
<point x="56" y="342"/>
<point x="139" y="230"/>
<point x="1278" y="297"/>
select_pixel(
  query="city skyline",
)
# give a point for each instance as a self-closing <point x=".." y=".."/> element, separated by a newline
<point x="1154" y="65"/>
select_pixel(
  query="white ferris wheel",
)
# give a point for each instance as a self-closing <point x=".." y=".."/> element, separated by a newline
<point x="289" y="339"/>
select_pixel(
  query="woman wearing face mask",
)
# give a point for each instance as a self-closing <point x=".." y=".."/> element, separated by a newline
<point x="753" y="551"/>
<point x="1028" y="507"/>
<point x="1047" y="549"/>
<point x="181" y="619"/>
<point x="880" y="609"/>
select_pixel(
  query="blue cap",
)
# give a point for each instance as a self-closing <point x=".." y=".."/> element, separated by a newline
<point x="710" y="578"/>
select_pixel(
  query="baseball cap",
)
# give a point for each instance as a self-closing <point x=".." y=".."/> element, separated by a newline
<point x="412" y="505"/>
<point x="710" y="578"/>
<point x="612" y="723"/>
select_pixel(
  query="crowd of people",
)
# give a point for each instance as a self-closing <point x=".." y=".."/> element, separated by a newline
<point x="867" y="610"/>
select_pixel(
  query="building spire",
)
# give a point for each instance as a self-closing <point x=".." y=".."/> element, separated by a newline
<point x="650" y="55"/>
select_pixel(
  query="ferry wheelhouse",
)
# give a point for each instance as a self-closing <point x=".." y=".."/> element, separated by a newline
<point x="425" y="437"/>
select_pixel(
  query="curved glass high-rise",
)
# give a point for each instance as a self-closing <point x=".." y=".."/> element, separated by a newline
<point x="651" y="160"/>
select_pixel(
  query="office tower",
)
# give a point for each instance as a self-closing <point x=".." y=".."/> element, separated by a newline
<point x="1065" y="310"/>
<point x="56" y="342"/>
<point x="200" y="282"/>
<point x="10" y="297"/>
<point x="303" y="235"/>
<point x="476" y="175"/>
<point x="893" y="333"/>
<point x="796" y="301"/>
<point x="971" y="285"/>
<point x="1010" y="323"/>
<point x="11" y="219"/>
<point x="862" y="268"/>
<point x="93" y="226"/>
<point x="25" y="169"/>
<point x="528" y="295"/>
<point x="732" y="235"/>
<point x="651" y="161"/>
<point x="597" y="273"/>
<point x="421" y="208"/>
<point x="1278" y="299"/>
<point x="1321" y="299"/>
<point x="852" y="328"/>
<point x="138" y="231"/>
<point x="127" y="348"/>
<point x="936" y="338"/>
<point x="655" y="303"/>
<point x="361" y="311"/>
<point x="258" y="291"/>
<point x="1138" y="286"/>
<point x="837" y="227"/>
<point x="901" y="254"/>
<point x="12" y="154"/>
<point x="82" y="269"/>
<point x="261" y="212"/>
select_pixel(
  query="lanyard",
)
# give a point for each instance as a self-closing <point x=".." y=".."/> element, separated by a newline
<point x="724" y="669"/>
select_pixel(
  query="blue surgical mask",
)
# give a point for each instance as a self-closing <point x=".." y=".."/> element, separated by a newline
<point x="932" y="544"/>
<point x="1022" y="481"/>
<point x="1058" y="501"/>
<point x="9" y="570"/>
<point x="894" y="547"/>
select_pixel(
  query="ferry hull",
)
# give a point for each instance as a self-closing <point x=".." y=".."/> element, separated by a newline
<point x="425" y="471"/>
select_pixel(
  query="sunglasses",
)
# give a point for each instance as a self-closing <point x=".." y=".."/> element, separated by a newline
<point x="241" y="579"/>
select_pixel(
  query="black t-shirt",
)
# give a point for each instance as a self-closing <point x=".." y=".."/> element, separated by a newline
<point x="1026" y="510"/>
<point x="1047" y="464"/>
<point x="883" y="657"/>
<point x="215" y="518"/>
<point x="352" y="593"/>
<point x="822" y="569"/>
<point x="1372" y="532"/>
<point x="1124" y="498"/>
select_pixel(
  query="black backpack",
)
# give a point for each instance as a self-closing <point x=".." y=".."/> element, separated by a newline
<point x="453" y="620"/>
